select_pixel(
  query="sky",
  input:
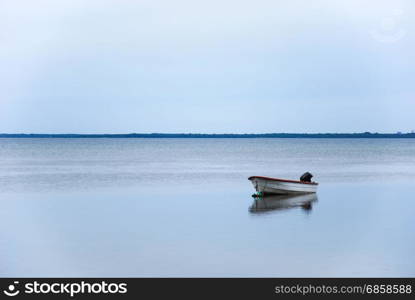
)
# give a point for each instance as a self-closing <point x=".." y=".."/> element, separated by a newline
<point x="218" y="66"/>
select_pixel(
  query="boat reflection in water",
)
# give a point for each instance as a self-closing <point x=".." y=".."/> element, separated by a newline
<point x="282" y="202"/>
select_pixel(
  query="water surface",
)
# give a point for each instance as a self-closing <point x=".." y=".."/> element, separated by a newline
<point x="183" y="207"/>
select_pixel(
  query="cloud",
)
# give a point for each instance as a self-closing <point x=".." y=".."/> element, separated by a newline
<point x="72" y="66"/>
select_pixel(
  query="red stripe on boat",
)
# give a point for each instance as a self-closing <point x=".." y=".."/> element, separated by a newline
<point x="282" y="180"/>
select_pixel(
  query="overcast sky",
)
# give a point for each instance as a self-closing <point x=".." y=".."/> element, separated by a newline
<point x="114" y="66"/>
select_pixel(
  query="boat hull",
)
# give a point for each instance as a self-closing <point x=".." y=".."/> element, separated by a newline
<point x="276" y="186"/>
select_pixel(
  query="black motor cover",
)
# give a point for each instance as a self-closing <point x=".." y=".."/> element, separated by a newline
<point x="306" y="177"/>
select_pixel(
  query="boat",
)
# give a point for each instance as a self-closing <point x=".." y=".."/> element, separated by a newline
<point x="268" y="185"/>
<point x="282" y="202"/>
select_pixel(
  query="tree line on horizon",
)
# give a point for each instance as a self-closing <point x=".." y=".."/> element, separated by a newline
<point x="213" y="135"/>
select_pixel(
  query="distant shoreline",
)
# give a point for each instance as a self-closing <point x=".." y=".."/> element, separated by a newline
<point x="225" y="135"/>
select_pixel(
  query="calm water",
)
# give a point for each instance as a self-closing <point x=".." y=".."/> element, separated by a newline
<point x="183" y="207"/>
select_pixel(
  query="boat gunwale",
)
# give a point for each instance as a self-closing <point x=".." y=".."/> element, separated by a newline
<point x="282" y="180"/>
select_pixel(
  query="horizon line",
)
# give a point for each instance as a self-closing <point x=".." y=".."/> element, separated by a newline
<point x="160" y="134"/>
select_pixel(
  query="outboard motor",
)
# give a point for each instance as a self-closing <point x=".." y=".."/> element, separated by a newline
<point x="306" y="177"/>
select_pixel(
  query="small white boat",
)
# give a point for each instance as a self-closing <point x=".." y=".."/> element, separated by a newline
<point x="269" y="185"/>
